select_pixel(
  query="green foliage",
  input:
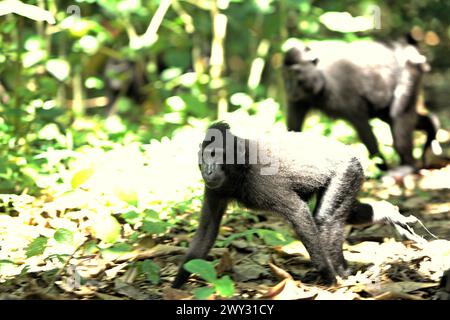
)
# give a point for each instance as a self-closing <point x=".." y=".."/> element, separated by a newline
<point x="270" y="237"/>
<point x="63" y="236"/>
<point x="152" y="223"/>
<point x="204" y="293"/>
<point x="131" y="217"/>
<point x="151" y="270"/>
<point x="203" y="268"/>
<point x="116" y="250"/>
<point x="223" y="286"/>
<point x="37" y="247"/>
<point x="47" y="78"/>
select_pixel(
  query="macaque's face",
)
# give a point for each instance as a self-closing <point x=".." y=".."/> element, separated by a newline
<point x="213" y="175"/>
<point x="212" y="167"/>
<point x="301" y="76"/>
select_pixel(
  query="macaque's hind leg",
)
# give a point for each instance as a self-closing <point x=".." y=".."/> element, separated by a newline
<point x="334" y="207"/>
<point x="365" y="133"/>
<point x="299" y="216"/>
<point x="402" y="131"/>
<point x="430" y="124"/>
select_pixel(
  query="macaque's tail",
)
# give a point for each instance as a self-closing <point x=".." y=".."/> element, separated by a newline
<point x="383" y="212"/>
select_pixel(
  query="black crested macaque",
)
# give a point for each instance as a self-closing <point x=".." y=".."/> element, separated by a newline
<point x="358" y="81"/>
<point x="280" y="174"/>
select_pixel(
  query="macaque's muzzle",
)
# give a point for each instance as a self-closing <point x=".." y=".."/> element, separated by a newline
<point x="213" y="175"/>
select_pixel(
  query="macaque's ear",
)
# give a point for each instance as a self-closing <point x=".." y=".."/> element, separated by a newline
<point x="310" y="56"/>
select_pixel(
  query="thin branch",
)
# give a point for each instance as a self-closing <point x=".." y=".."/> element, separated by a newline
<point x="150" y="36"/>
<point x="26" y="10"/>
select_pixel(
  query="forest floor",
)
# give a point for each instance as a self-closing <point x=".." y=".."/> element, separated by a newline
<point x="114" y="221"/>
<point x="383" y="266"/>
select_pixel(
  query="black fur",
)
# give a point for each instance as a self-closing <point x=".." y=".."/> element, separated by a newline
<point x="306" y="165"/>
<point x="358" y="81"/>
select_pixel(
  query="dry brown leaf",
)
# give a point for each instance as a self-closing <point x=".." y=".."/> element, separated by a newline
<point x="162" y="250"/>
<point x="91" y="268"/>
<point x="397" y="287"/>
<point x="176" y="294"/>
<point x="225" y="263"/>
<point x="113" y="272"/>
<point x="396" y="295"/>
<point x="293" y="248"/>
<point x="288" y="290"/>
<point x="129" y="290"/>
<point x="437" y="208"/>
<point x="105" y="296"/>
<point x="414" y="203"/>
<point x="280" y="273"/>
<point x="130" y="275"/>
<point x="248" y="270"/>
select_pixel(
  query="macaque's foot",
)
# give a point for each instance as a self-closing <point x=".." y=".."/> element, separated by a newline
<point x="344" y="272"/>
<point x="317" y="277"/>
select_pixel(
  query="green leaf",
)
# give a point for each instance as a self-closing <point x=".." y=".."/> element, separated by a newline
<point x="116" y="251"/>
<point x="90" y="247"/>
<point x="151" y="215"/>
<point x="152" y="223"/>
<point x="151" y="270"/>
<point x="134" y="237"/>
<point x="203" y="293"/>
<point x="195" y="106"/>
<point x="131" y="217"/>
<point x="203" y="268"/>
<point x="61" y="257"/>
<point x="63" y="236"/>
<point x="224" y="286"/>
<point x="105" y="227"/>
<point x="154" y="227"/>
<point x="36" y="247"/>
<point x="81" y="177"/>
<point x="59" y="68"/>
<point x="273" y="238"/>
<point x="121" y="248"/>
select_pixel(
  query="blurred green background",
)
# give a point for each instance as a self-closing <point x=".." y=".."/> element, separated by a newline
<point x="136" y="70"/>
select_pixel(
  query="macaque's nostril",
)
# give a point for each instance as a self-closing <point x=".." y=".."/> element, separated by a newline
<point x="209" y="170"/>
